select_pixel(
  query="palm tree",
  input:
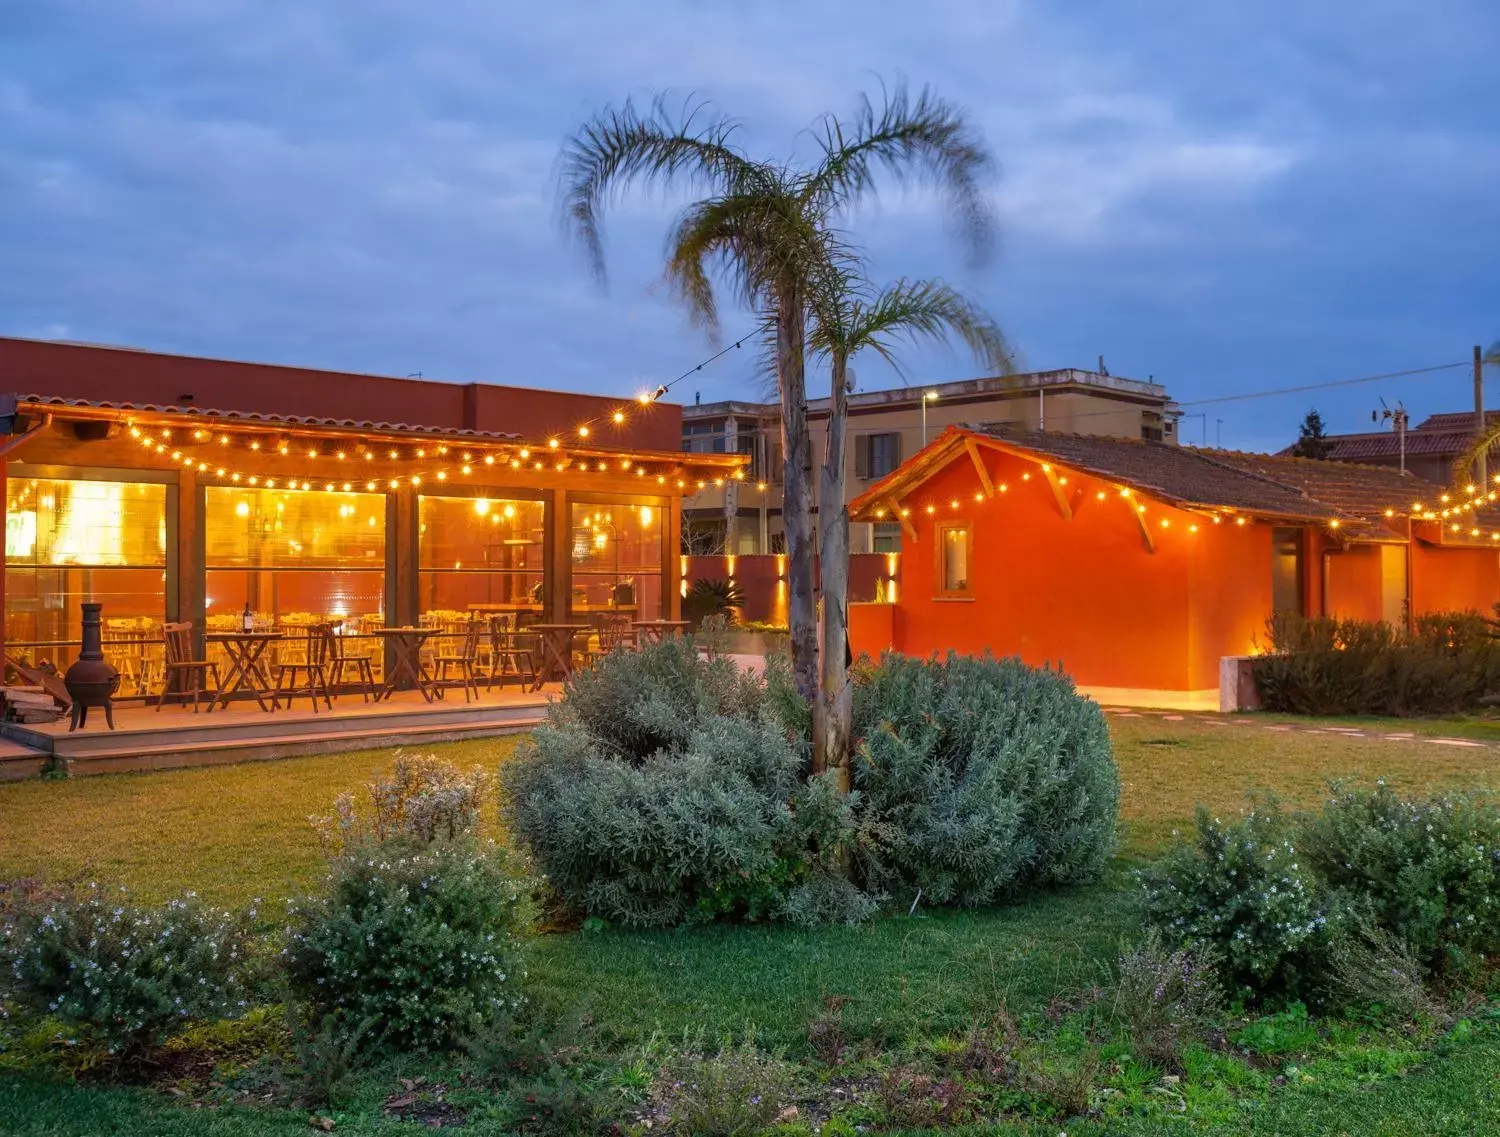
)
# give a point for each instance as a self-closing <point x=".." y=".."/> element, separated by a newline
<point x="851" y="317"/>
<point x="1486" y="441"/>
<point x="769" y="228"/>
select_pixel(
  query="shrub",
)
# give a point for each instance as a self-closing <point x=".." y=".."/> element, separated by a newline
<point x="706" y="598"/>
<point x="737" y="1092"/>
<point x="424" y="799"/>
<point x="1242" y="889"/>
<point x="1324" y="666"/>
<point x="419" y="939"/>
<point x="128" y="974"/>
<point x="980" y="777"/>
<point x="1165" y="997"/>
<point x="1424" y="872"/>
<point x="725" y="825"/>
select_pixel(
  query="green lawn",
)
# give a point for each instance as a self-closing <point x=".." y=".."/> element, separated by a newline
<point x="238" y="832"/>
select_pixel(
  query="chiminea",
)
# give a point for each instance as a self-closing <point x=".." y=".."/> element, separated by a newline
<point x="91" y="681"/>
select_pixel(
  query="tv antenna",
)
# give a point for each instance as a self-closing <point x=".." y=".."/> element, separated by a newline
<point x="1396" y="416"/>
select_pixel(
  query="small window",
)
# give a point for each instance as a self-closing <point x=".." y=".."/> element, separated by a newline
<point x="886" y="538"/>
<point x="885" y="454"/>
<point x="954" y="548"/>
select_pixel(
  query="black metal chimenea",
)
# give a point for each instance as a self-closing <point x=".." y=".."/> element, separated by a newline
<point x="91" y="681"/>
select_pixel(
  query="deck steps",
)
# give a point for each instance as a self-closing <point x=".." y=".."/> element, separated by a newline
<point x="173" y="738"/>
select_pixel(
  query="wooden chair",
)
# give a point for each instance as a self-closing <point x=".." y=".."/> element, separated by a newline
<point x="464" y="655"/>
<point x="359" y="660"/>
<point x="311" y="670"/>
<point x="183" y="672"/>
<point x="509" y="655"/>
<point x="614" y="633"/>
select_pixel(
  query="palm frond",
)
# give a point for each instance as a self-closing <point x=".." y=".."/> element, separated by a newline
<point x="926" y="138"/>
<point x="1483" y="446"/>
<point x="650" y="147"/>
<point x="913" y="311"/>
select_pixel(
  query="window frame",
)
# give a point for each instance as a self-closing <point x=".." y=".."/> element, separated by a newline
<point x="940" y="530"/>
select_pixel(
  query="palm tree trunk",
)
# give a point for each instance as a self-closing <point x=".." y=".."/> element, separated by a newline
<point x="831" y="746"/>
<point x="796" y="509"/>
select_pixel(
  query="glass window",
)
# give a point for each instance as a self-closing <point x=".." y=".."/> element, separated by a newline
<point x="887" y="537"/>
<point x="1286" y="570"/>
<point x="616" y="553"/>
<point x="71" y="541"/>
<point x="480" y="555"/>
<point x="953" y="549"/>
<point x="295" y="557"/>
<point x="885" y="454"/>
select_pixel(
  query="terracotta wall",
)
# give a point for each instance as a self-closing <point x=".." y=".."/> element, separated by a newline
<point x="1085" y="594"/>
<point x="761" y="579"/>
<point x="112" y="374"/>
<point x="1449" y="579"/>
<point x="1353" y="584"/>
<point x="1230" y="583"/>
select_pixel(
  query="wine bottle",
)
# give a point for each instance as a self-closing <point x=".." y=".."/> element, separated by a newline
<point x="247" y="621"/>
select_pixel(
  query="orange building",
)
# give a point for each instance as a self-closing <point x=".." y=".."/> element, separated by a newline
<point x="1138" y="567"/>
<point x="178" y="489"/>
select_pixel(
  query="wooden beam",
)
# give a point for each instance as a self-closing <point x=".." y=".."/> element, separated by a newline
<point x="1057" y="491"/>
<point x="1140" y="520"/>
<point x="906" y="526"/>
<point x="979" y="467"/>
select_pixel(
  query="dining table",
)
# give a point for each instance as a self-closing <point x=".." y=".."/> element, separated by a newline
<point x="654" y="631"/>
<point x="246" y="672"/>
<point x="556" y="643"/>
<point x="406" y="661"/>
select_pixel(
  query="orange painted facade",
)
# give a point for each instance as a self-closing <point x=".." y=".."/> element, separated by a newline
<point x="1130" y="621"/>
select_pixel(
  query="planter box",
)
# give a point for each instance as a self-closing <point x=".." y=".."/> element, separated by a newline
<point x="741" y="642"/>
<point x="1237" y="684"/>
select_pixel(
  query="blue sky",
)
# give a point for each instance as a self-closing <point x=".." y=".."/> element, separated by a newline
<point x="1228" y="197"/>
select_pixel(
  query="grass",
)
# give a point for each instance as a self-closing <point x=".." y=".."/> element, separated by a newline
<point x="233" y="833"/>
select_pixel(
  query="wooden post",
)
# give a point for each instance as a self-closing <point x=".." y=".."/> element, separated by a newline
<point x="190" y="546"/>
<point x="559" y="554"/>
<point x="672" y="551"/>
<point x="1481" y="467"/>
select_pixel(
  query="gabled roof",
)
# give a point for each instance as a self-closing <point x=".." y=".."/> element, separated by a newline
<point x="1364" y="502"/>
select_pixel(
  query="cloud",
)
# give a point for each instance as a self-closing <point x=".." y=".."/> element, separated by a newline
<point x="1210" y="193"/>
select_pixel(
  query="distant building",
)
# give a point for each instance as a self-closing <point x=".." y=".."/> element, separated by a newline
<point x="887" y="427"/>
<point x="1432" y="445"/>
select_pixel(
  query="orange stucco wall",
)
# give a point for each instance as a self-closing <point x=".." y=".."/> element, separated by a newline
<point x="1446" y="578"/>
<point x="1084" y="593"/>
<point x="1353" y="583"/>
<point x="1087" y="594"/>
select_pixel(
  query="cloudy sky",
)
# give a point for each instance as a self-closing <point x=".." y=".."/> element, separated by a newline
<point x="1227" y="197"/>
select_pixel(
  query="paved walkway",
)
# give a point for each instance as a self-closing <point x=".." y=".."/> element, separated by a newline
<point x="1252" y="723"/>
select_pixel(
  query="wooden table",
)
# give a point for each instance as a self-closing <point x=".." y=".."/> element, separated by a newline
<point x="654" y="631"/>
<point x="245" y="671"/>
<point x="556" y="641"/>
<point x="406" y="660"/>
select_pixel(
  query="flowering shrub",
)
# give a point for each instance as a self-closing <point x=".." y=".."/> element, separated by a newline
<point x="979" y="777"/>
<point x="423" y="799"/>
<point x="417" y="941"/>
<point x="1426" y="871"/>
<point x="1242" y="887"/>
<point x="1165" y="997"/>
<point x="128" y="974"/>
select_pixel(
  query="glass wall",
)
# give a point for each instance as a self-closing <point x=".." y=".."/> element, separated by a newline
<point x="616" y="552"/>
<point x="294" y="557"/>
<point x="67" y="541"/>
<point x="480" y="556"/>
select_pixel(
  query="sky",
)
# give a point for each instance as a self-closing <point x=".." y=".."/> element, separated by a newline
<point x="1227" y="198"/>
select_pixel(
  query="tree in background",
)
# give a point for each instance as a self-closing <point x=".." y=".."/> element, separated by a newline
<point x="771" y="230"/>
<point x="1312" y="439"/>
<point x="850" y="316"/>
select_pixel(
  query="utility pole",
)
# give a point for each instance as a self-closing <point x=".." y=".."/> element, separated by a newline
<point x="1481" y="467"/>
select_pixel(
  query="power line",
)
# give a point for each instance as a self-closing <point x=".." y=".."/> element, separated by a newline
<point x="1321" y="386"/>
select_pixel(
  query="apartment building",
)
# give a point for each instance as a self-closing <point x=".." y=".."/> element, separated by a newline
<point x="887" y="427"/>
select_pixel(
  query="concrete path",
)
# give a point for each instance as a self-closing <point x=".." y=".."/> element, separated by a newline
<point x="1251" y="722"/>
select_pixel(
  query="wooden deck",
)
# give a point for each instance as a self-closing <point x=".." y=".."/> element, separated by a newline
<point x="148" y="739"/>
